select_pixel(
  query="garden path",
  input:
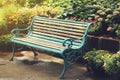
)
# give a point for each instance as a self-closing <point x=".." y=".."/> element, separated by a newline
<point x="43" y="67"/>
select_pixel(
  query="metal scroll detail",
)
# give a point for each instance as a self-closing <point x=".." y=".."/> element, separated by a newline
<point x="72" y="55"/>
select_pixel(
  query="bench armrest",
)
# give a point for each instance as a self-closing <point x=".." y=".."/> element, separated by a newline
<point x="16" y="32"/>
<point x="69" y="42"/>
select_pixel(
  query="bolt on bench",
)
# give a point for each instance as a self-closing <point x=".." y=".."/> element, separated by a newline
<point x="64" y="37"/>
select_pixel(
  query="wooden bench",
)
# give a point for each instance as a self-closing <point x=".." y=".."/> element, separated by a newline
<point x="64" y="37"/>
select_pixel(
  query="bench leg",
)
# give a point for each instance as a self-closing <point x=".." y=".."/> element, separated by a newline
<point x="13" y="52"/>
<point x="35" y="54"/>
<point x="64" y="69"/>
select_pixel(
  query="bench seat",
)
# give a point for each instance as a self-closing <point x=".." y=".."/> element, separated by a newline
<point x="44" y="44"/>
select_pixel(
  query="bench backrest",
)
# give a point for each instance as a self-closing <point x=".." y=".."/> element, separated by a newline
<point x="57" y="29"/>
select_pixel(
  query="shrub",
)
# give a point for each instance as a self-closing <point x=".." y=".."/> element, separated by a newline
<point x="5" y="42"/>
<point x="7" y="9"/>
<point x="23" y="16"/>
<point x="3" y="18"/>
<point x="103" y="62"/>
<point x="101" y="11"/>
<point x="95" y="29"/>
<point x="112" y="64"/>
<point x="95" y="61"/>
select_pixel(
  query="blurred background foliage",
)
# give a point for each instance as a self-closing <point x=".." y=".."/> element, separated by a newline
<point x="104" y="14"/>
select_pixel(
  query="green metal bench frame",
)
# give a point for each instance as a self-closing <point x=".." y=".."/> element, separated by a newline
<point x="69" y="54"/>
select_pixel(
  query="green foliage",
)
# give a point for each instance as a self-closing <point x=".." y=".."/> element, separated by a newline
<point x="29" y="3"/>
<point x="23" y="16"/>
<point x="20" y="19"/>
<point x="100" y="11"/>
<point x="103" y="61"/>
<point x="118" y="31"/>
<point x="5" y="42"/>
<point x="6" y="2"/>
<point x="32" y="3"/>
<point x="96" y="58"/>
<point x="22" y="3"/>
<point x="55" y="3"/>
<point x="115" y="20"/>
<point x="112" y="64"/>
<point x="103" y="13"/>
<point x="95" y="29"/>
<point x="2" y="2"/>
<point x="12" y="14"/>
<point x="8" y="9"/>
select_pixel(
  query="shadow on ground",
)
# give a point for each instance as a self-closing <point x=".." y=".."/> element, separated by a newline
<point x="43" y="67"/>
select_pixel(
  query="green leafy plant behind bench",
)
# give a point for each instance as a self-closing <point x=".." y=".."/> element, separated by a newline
<point x="5" y="42"/>
<point x="22" y="17"/>
<point x="96" y="11"/>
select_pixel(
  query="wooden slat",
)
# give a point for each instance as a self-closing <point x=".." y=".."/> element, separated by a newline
<point x="57" y="31"/>
<point x="61" y="22"/>
<point x="45" y="43"/>
<point x="67" y="35"/>
<point x="76" y="41"/>
<point x="59" y="28"/>
<point x="53" y="36"/>
<point x="54" y="28"/>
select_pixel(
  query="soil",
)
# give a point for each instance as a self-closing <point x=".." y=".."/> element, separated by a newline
<point x="42" y="67"/>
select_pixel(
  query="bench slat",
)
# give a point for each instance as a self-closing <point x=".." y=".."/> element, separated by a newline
<point x="57" y="31"/>
<point x="53" y="36"/>
<point x="43" y="42"/>
<point x="59" y="28"/>
<point x="60" y="24"/>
